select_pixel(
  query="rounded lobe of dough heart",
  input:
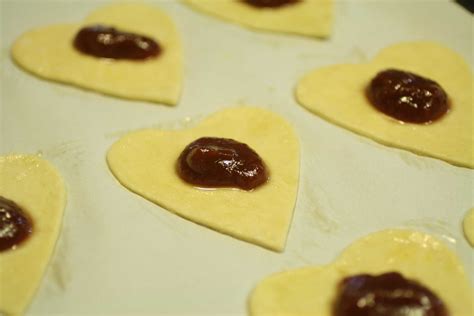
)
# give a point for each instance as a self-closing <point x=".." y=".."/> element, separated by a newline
<point x="337" y="94"/>
<point x="416" y="255"/>
<point x="468" y="226"/>
<point x="144" y="162"/>
<point x="308" y="17"/>
<point x="38" y="189"/>
<point x="48" y="52"/>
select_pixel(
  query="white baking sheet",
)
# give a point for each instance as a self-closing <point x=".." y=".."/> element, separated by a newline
<point x="119" y="254"/>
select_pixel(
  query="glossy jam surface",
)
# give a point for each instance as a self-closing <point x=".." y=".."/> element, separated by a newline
<point x="388" y="294"/>
<point x="221" y="162"/>
<point x="15" y="226"/>
<point x="108" y="42"/>
<point x="407" y="97"/>
<point x="270" y="3"/>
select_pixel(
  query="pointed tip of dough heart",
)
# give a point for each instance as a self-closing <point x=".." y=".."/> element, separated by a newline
<point x="48" y="53"/>
<point x="23" y="181"/>
<point x="144" y="162"/>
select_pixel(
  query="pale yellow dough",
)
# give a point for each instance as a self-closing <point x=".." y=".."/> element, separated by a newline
<point x="337" y="94"/>
<point x="48" y="52"/>
<point x="309" y="17"/>
<point x="418" y="256"/>
<point x="468" y="226"/>
<point x="38" y="189"/>
<point x="144" y="162"/>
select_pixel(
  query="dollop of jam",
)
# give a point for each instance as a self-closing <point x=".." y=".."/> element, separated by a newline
<point x="221" y="162"/>
<point x="388" y="294"/>
<point x="15" y="226"/>
<point x="407" y="97"/>
<point x="108" y="42"/>
<point x="270" y="3"/>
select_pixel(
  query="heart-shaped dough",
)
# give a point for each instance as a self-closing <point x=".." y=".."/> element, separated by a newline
<point x="48" y="52"/>
<point x="416" y="255"/>
<point x="337" y="94"/>
<point x="144" y="162"/>
<point x="308" y="17"/>
<point x="38" y="189"/>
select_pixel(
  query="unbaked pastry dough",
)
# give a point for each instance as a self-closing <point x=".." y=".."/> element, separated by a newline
<point x="38" y="189"/>
<point x="468" y="226"/>
<point x="48" y="52"/>
<point x="308" y="17"/>
<point x="337" y="94"/>
<point x="144" y="162"/>
<point x="416" y="255"/>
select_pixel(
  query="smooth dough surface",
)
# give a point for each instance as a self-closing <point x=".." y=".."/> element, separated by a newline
<point x="337" y="94"/>
<point x="418" y="256"/>
<point x="309" y="17"/>
<point x="48" y="52"/>
<point x="144" y="162"/>
<point x="38" y="189"/>
<point x="468" y="226"/>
